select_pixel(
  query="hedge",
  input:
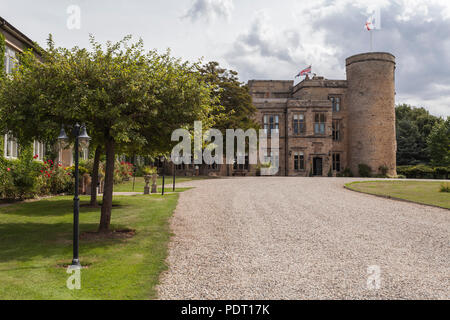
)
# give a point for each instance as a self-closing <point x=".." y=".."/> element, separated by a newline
<point x="422" y="171"/>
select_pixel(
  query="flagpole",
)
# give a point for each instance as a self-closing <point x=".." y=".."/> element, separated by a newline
<point x="371" y="40"/>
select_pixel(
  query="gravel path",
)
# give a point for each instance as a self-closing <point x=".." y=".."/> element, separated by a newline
<point x="303" y="238"/>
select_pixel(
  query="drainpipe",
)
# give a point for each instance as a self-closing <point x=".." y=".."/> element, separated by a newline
<point x="286" y="135"/>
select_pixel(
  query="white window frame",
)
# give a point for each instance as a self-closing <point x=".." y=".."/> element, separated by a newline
<point x="39" y="150"/>
<point x="9" y="59"/>
<point x="13" y="147"/>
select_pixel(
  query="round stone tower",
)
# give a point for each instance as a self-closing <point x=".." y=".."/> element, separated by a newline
<point x="371" y="111"/>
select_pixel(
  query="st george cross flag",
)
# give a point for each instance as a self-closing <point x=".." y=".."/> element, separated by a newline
<point x="373" y="21"/>
<point x="304" y="72"/>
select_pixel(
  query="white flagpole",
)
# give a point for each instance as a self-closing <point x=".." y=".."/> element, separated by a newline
<point x="371" y="40"/>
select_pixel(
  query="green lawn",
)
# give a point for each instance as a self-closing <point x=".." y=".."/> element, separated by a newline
<point x="140" y="184"/>
<point x="36" y="240"/>
<point x="424" y="192"/>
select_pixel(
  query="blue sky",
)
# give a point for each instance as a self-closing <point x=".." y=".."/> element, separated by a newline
<point x="266" y="39"/>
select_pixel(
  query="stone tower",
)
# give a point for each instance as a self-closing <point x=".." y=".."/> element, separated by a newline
<point x="371" y="111"/>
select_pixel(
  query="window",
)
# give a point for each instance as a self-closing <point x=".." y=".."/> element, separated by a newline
<point x="336" y="130"/>
<point x="271" y="122"/>
<point x="336" y="102"/>
<point x="299" y="124"/>
<point x="336" y="162"/>
<point x="11" y="147"/>
<point x="9" y="59"/>
<point x="319" y="123"/>
<point x="244" y="166"/>
<point x="299" y="161"/>
<point x="39" y="150"/>
<point x="84" y="154"/>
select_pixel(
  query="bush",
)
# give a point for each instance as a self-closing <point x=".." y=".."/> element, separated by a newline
<point x="122" y="171"/>
<point x="445" y="187"/>
<point x="56" y="180"/>
<point x="383" y="170"/>
<point x="19" y="178"/>
<point x="424" y="172"/>
<point x="346" y="173"/>
<point x="364" y="170"/>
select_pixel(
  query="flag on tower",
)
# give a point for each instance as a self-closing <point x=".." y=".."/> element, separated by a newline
<point x="304" y="72"/>
<point x="373" y="21"/>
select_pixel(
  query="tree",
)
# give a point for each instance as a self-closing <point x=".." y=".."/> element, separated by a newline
<point x="128" y="98"/>
<point x="439" y="144"/>
<point x="413" y="127"/>
<point x="235" y="109"/>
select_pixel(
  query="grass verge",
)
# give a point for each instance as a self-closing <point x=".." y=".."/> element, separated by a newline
<point x="140" y="183"/>
<point x="36" y="241"/>
<point x="423" y="192"/>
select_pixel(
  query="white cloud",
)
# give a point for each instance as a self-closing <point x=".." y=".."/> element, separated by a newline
<point x="210" y="10"/>
<point x="324" y="33"/>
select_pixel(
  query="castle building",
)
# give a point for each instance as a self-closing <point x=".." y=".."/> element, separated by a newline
<point x="326" y="126"/>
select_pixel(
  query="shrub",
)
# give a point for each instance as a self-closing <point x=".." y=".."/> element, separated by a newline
<point x="364" y="170"/>
<point x="56" y="180"/>
<point x="122" y="171"/>
<point x="383" y="170"/>
<point x="346" y="173"/>
<point x="424" y="172"/>
<point x="445" y="187"/>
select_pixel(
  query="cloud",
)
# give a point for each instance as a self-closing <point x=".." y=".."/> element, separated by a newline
<point x="267" y="51"/>
<point x="210" y="10"/>
<point x="324" y="33"/>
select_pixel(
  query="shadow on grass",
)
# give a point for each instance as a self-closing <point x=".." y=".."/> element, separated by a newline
<point x="25" y="241"/>
<point x="52" y="207"/>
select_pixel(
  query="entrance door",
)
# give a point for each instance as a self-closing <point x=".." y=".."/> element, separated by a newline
<point x="317" y="166"/>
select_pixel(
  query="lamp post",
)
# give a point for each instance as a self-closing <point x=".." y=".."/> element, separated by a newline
<point x="81" y="137"/>
<point x="163" y="159"/>
<point x="174" y="175"/>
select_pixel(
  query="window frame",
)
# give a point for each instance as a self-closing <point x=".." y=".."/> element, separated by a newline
<point x="9" y="59"/>
<point x="337" y="162"/>
<point x="336" y="102"/>
<point x="336" y="130"/>
<point x="299" y="161"/>
<point x="271" y="125"/>
<point x="299" y="123"/>
<point x="13" y="147"/>
<point x="40" y="152"/>
<point x="320" y="121"/>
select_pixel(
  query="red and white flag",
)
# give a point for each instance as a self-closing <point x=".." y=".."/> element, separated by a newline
<point x="304" y="72"/>
<point x="373" y="21"/>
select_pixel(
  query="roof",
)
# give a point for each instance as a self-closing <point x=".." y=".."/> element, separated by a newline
<point x="5" y="25"/>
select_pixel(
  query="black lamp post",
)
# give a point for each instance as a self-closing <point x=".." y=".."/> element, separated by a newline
<point x="81" y="137"/>
<point x="163" y="160"/>
<point x="174" y="175"/>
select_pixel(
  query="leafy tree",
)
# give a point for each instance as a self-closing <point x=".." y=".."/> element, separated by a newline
<point x="235" y="109"/>
<point x="408" y="137"/>
<point x="128" y="98"/>
<point x="439" y="144"/>
<point x="413" y="128"/>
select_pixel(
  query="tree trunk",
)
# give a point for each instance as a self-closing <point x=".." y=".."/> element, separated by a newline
<point x="94" y="177"/>
<point x="105" y="218"/>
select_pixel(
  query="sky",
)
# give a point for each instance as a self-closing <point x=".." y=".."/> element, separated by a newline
<point x="263" y="39"/>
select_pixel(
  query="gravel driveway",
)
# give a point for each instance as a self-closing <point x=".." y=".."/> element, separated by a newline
<point x="303" y="238"/>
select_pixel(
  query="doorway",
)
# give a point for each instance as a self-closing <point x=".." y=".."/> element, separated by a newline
<point x="317" y="167"/>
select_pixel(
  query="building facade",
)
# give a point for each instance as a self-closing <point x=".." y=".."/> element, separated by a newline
<point x="326" y="126"/>
<point x="15" y="43"/>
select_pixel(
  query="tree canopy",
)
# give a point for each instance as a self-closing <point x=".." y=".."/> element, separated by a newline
<point x="129" y="99"/>
<point x="414" y="125"/>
